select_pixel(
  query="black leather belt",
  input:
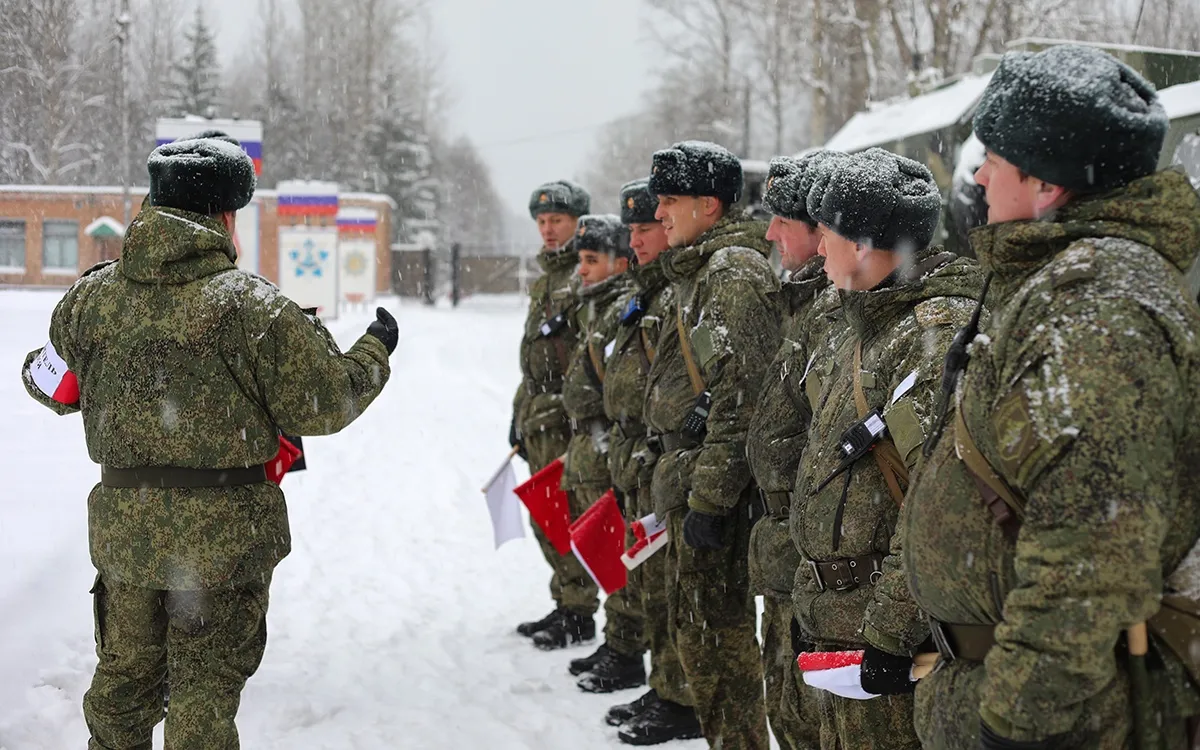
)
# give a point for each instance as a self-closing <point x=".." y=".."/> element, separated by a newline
<point x="178" y="476"/>
<point x="672" y="441"/>
<point x="847" y="573"/>
<point x="588" y="425"/>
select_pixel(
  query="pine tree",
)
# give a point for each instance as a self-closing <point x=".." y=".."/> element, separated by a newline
<point x="197" y="73"/>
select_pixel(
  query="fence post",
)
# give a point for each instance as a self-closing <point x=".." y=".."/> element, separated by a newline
<point x="455" y="273"/>
<point x="427" y="255"/>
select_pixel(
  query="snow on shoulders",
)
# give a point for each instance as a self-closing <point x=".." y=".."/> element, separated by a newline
<point x="196" y="228"/>
<point x="236" y="287"/>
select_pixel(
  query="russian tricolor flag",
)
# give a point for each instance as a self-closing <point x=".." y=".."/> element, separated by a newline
<point x="307" y="198"/>
<point x="354" y="220"/>
<point x="52" y="376"/>
<point x="247" y="132"/>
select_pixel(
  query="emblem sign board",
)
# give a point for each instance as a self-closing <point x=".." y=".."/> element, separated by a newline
<point x="356" y="254"/>
<point x="308" y="268"/>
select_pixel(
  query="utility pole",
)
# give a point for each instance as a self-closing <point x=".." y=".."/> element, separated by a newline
<point x="123" y="23"/>
<point x="746" y="122"/>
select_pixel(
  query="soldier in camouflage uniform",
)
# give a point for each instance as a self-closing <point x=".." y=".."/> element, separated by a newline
<point x="187" y="370"/>
<point x="665" y="712"/>
<point x="603" y="260"/>
<point x="778" y="432"/>
<point x="540" y="429"/>
<point x="901" y="300"/>
<point x="1078" y="487"/>
<point x="702" y="388"/>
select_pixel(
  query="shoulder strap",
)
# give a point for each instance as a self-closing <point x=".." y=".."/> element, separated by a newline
<point x="997" y="496"/>
<point x="646" y="350"/>
<point x="689" y="357"/>
<point x="887" y="456"/>
<point x="597" y="361"/>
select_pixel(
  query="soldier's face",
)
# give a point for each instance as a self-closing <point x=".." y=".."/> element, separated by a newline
<point x="796" y="240"/>
<point x="648" y="241"/>
<point x="556" y="229"/>
<point x="686" y="217"/>
<point x="843" y="258"/>
<point x="1013" y="195"/>
<point x="595" y="267"/>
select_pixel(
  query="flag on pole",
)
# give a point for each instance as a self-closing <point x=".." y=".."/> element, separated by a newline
<point x="52" y="376"/>
<point x="651" y="535"/>
<point x="547" y="502"/>
<point x="282" y="463"/>
<point x="598" y="540"/>
<point x="838" y="672"/>
<point x="503" y="504"/>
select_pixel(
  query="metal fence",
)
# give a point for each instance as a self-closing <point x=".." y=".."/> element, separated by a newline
<point x="461" y="271"/>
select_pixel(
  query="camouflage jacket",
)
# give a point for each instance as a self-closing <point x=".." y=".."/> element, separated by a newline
<point x="185" y="361"/>
<point x="544" y="359"/>
<point x="905" y="326"/>
<point x="727" y="295"/>
<point x="596" y="319"/>
<point x="630" y="460"/>
<point x="779" y="426"/>
<point x="1081" y="394"/>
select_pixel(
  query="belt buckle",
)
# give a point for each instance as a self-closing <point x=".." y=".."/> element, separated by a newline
<point x="941" y="641"/>
<point x="816" y="574"/>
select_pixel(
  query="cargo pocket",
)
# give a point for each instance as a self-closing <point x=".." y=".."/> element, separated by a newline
<point x="99" y="609"/>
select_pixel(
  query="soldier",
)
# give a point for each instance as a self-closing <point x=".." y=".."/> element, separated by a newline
<point x="872" y="390"/>
<point x="665" y="712"/>
<point x="701" y="391"/>
<point x="603" y="259"/>
<point x="540" y="429"/>
<point x="187" y="370"/>
<point x="778" y="431"/>
<point x="1064" y="489"/>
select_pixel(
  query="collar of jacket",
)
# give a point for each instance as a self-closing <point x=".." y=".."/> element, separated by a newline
<point x="734" y="229"/>
<point x="804" y="284"/>
<point x="1160" y="211"/>
<point x="170" y="246"/>
<point x="650" y="278"/>
<point x="557" y="260"/>
<point x="607" y="291"/>
<point x="932" y="273"/>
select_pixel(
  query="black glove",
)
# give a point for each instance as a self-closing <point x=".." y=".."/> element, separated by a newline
<point x="989" y="740"/>
<point x="703" y="531"/>
<point x="886" y="674"/>
<point x="620" y="496"/>
<point x="515" y="441"/>
<point x="385" y="329"/>
<point x="800" y="644"/>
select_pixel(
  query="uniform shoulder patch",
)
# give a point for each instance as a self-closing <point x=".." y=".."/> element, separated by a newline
<point x="1015" y="439"/>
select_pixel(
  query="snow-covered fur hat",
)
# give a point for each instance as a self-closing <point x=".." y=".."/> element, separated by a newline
<point x="697" y="168"/>
<point x="877" y="198"/>
<point x="638" y="204"/>
<point x="560" y="197"/>
<point x="788" y="181"/>
<point x="603" y="233"/>
<point x="202" y="175"/>
<point x="1072" y="116"/>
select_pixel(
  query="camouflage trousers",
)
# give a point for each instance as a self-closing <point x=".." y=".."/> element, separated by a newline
<point x="209" y="642"/>
<point x="570" y="585"/>
<point x="712" y="621"/>
<point x="791" y="704"/>
<point x="883" y="723"/>
<point x="624" y="624"/>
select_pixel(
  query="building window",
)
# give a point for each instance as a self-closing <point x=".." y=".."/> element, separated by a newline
<point x="12" y="244"/>
<point x="60" y="245"/>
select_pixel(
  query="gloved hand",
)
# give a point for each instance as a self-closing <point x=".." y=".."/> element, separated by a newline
<point x="385" y="328"/>
<point x="886" y="674"/>
<point x="703" y="531"/>
<point x="989" y="740"/>
<point x="800" y="644"/>
<point x="620" y="496"/>
<point x="515" y="441"/>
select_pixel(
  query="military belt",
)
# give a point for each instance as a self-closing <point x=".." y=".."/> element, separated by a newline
<point x="588" y="425"/>
<point x="631" y="428"/>
<point x="551" y="386"/>
<point x="673" y="441"/>
<point x="179" y="477"/>
<point x="847" y="573"/>
<point x="777" y="505"/>
<point x="967" y="642"/>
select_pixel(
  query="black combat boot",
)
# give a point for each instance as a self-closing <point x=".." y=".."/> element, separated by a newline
<point x="623" y="712"/>
<point x="568" y="629"/>
<point x="662" y="722"/>
<point x="588" y="663"/>
<point x="614" y="672"/>
<point x="527" y="629"/>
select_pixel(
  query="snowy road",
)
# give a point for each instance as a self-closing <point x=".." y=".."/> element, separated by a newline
<point x="390" y="623"/>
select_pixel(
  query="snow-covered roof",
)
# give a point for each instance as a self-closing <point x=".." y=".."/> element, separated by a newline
<point x="920" y="114"/>
<point x="1049" y="42"/>
<point x="369" y="197"/>
<point x="1182" y="100"/>
<point x="755" y="166"/>
<point x="105" y="226"/>
<point x="140" y="191"/>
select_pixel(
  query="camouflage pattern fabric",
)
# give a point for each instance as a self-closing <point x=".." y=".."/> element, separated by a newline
<point x="209" y="641"/>
<point x="730" y="308"/>
<point x="214" y="363"/>
<point x="792" y="706"/>
<point x="904" y="325"/>
<point x="883" y="723"/>
<point x="624" y="619"/>
<point x="631" y="465"/>
<point x="1080" y="393"/>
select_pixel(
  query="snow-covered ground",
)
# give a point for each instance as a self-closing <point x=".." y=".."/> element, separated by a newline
<point x="391" y="623"/>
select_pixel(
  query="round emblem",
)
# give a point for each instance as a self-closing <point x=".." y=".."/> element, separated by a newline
<point x="770" y="182"/>
<point x="543" y="198"/>
<point x="356" y="264"/>
<point x="629" y="202"/>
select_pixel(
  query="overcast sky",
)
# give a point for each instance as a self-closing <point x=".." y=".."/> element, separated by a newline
<point x="522" y="70"/>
